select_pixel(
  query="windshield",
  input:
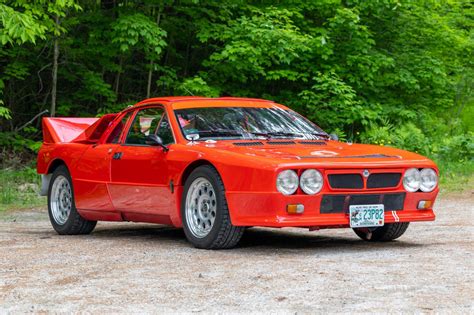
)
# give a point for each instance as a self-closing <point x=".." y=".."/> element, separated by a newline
<point x="245" y="123"/>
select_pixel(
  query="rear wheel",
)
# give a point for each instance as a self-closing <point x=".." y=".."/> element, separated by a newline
<point x="388" y="232"/>
<point x="204" y="211"/>
<point x="61" y="207"/>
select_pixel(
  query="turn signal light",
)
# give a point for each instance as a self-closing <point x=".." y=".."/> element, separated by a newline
<point x="295" y="209"/>
<point x="425" y="204"/>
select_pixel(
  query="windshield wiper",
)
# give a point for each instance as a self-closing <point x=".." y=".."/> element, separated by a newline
<point x="220" y="132"/>
<point x="269" y="135"/>
<point x="325" y="135"/>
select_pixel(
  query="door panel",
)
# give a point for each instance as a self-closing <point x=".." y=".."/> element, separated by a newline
<point x="140" y="180"/>
<point x="139" y="172"/>
<point x="91" y="176"/>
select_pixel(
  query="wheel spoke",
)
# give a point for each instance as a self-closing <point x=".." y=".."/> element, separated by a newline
<point x="200" y="207"/>
<point x="61" y="199"/>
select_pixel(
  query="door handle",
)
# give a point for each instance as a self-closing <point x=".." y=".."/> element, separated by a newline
<point x="117" y="155"/>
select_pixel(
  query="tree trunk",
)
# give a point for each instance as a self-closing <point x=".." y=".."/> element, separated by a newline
<point x="150" y="75"/>
<point x="150" y="71"/>
<point x="55" y="74"/>
<point x="117" y="77"/>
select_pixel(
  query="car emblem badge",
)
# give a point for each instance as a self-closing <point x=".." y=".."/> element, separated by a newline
<point x="366" y="173"/>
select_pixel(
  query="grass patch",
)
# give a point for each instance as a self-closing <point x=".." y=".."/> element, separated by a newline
<point x="456" y="177"/>
<point x="19" y="189"/>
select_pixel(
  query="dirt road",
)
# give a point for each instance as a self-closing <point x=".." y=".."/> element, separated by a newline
<point x="129" y="267"/>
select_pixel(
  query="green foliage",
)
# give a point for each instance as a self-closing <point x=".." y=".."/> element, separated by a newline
<point x="19" y="27"/>
<point x="137" y="30"/>
<point x="388" y="72"/>
<point x="15" y="142"/>
<point x="19" y="189"/>
<point x="197" y="87"/>
<point x="113" y="108"/>
<point x="264" y="43"/>
<point x="407" y="136"/>
<point x="331" y="94"/>
<point x="4" y="112"/>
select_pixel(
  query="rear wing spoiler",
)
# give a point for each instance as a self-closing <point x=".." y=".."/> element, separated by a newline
<point x="74" y="129"/>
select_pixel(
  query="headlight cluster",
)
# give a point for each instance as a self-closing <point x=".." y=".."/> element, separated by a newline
<point x="424" y="180"/>
<point x="287" y="182"/>
<point x="311" y="182"/>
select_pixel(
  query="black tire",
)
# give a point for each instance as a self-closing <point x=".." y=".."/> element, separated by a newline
<point x="222" y="234"/>
<point x="74" y="224"/>
<point x="388" y="232"/>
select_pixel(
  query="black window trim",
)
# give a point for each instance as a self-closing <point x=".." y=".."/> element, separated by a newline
<point x="119" y="119"/>
<point x="135" y="113"/>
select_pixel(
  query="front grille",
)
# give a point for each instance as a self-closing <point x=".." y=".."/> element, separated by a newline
<point x="394" y="201"/>
<point x="341" y="203"/>
<point x="383" y="180"/>
<point x="348" y="181"/>
<point x="365" y="200"/>
<point x="247" y="144"/>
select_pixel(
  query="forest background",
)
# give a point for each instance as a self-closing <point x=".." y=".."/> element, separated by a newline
<point x="390" y="72"/>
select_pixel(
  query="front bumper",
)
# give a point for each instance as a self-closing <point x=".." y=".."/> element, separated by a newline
<point x="269" y="209"/>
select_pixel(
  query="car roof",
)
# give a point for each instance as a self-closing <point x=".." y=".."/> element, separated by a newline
<point x="176" y="99"/>
<point x="182" y="102"/>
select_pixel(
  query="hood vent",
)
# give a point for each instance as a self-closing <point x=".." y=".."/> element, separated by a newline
<point x="247" y="144"/>
<point x="312" y="142"/>
<point x="281" y="142"/>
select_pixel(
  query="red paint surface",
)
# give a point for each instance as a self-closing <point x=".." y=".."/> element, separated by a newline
<point x="137" y="187"/>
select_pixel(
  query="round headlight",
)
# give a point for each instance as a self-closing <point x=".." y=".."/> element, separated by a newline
<point x="429" y="179"/>
<point x="311" y="181"/>
<point x="411" y="180"/>
<point x="287" y="182"/>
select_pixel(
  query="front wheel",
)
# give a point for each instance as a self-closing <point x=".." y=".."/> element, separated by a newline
<point x="204" y="211"/>
<point x="388" y="232"/>
<point x="61" y="207"/>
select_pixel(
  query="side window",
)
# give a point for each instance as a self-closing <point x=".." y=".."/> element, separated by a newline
<point x="114" y="136"/>
<point x="164" y="131"/>
<point x="146" y="122"/>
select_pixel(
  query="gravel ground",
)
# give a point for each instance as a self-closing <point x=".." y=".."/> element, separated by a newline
<point x="130" y="267"/>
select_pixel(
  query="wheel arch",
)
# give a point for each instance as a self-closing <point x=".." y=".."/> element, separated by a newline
<point x="191" y="167"/>
<point x="46" y="178"/>
<point x="55" y="164"/>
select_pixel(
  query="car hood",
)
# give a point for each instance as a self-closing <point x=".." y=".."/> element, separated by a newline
<point x="333" y="152"/>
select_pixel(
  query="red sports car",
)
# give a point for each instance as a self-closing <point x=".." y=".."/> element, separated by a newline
<point x="215" y="166"/>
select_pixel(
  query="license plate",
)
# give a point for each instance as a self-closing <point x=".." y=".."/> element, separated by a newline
<point x="366" y="215"/>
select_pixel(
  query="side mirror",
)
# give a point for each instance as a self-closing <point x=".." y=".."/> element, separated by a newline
<point x="334" y="137"/>
<point x="155" y="140"/>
